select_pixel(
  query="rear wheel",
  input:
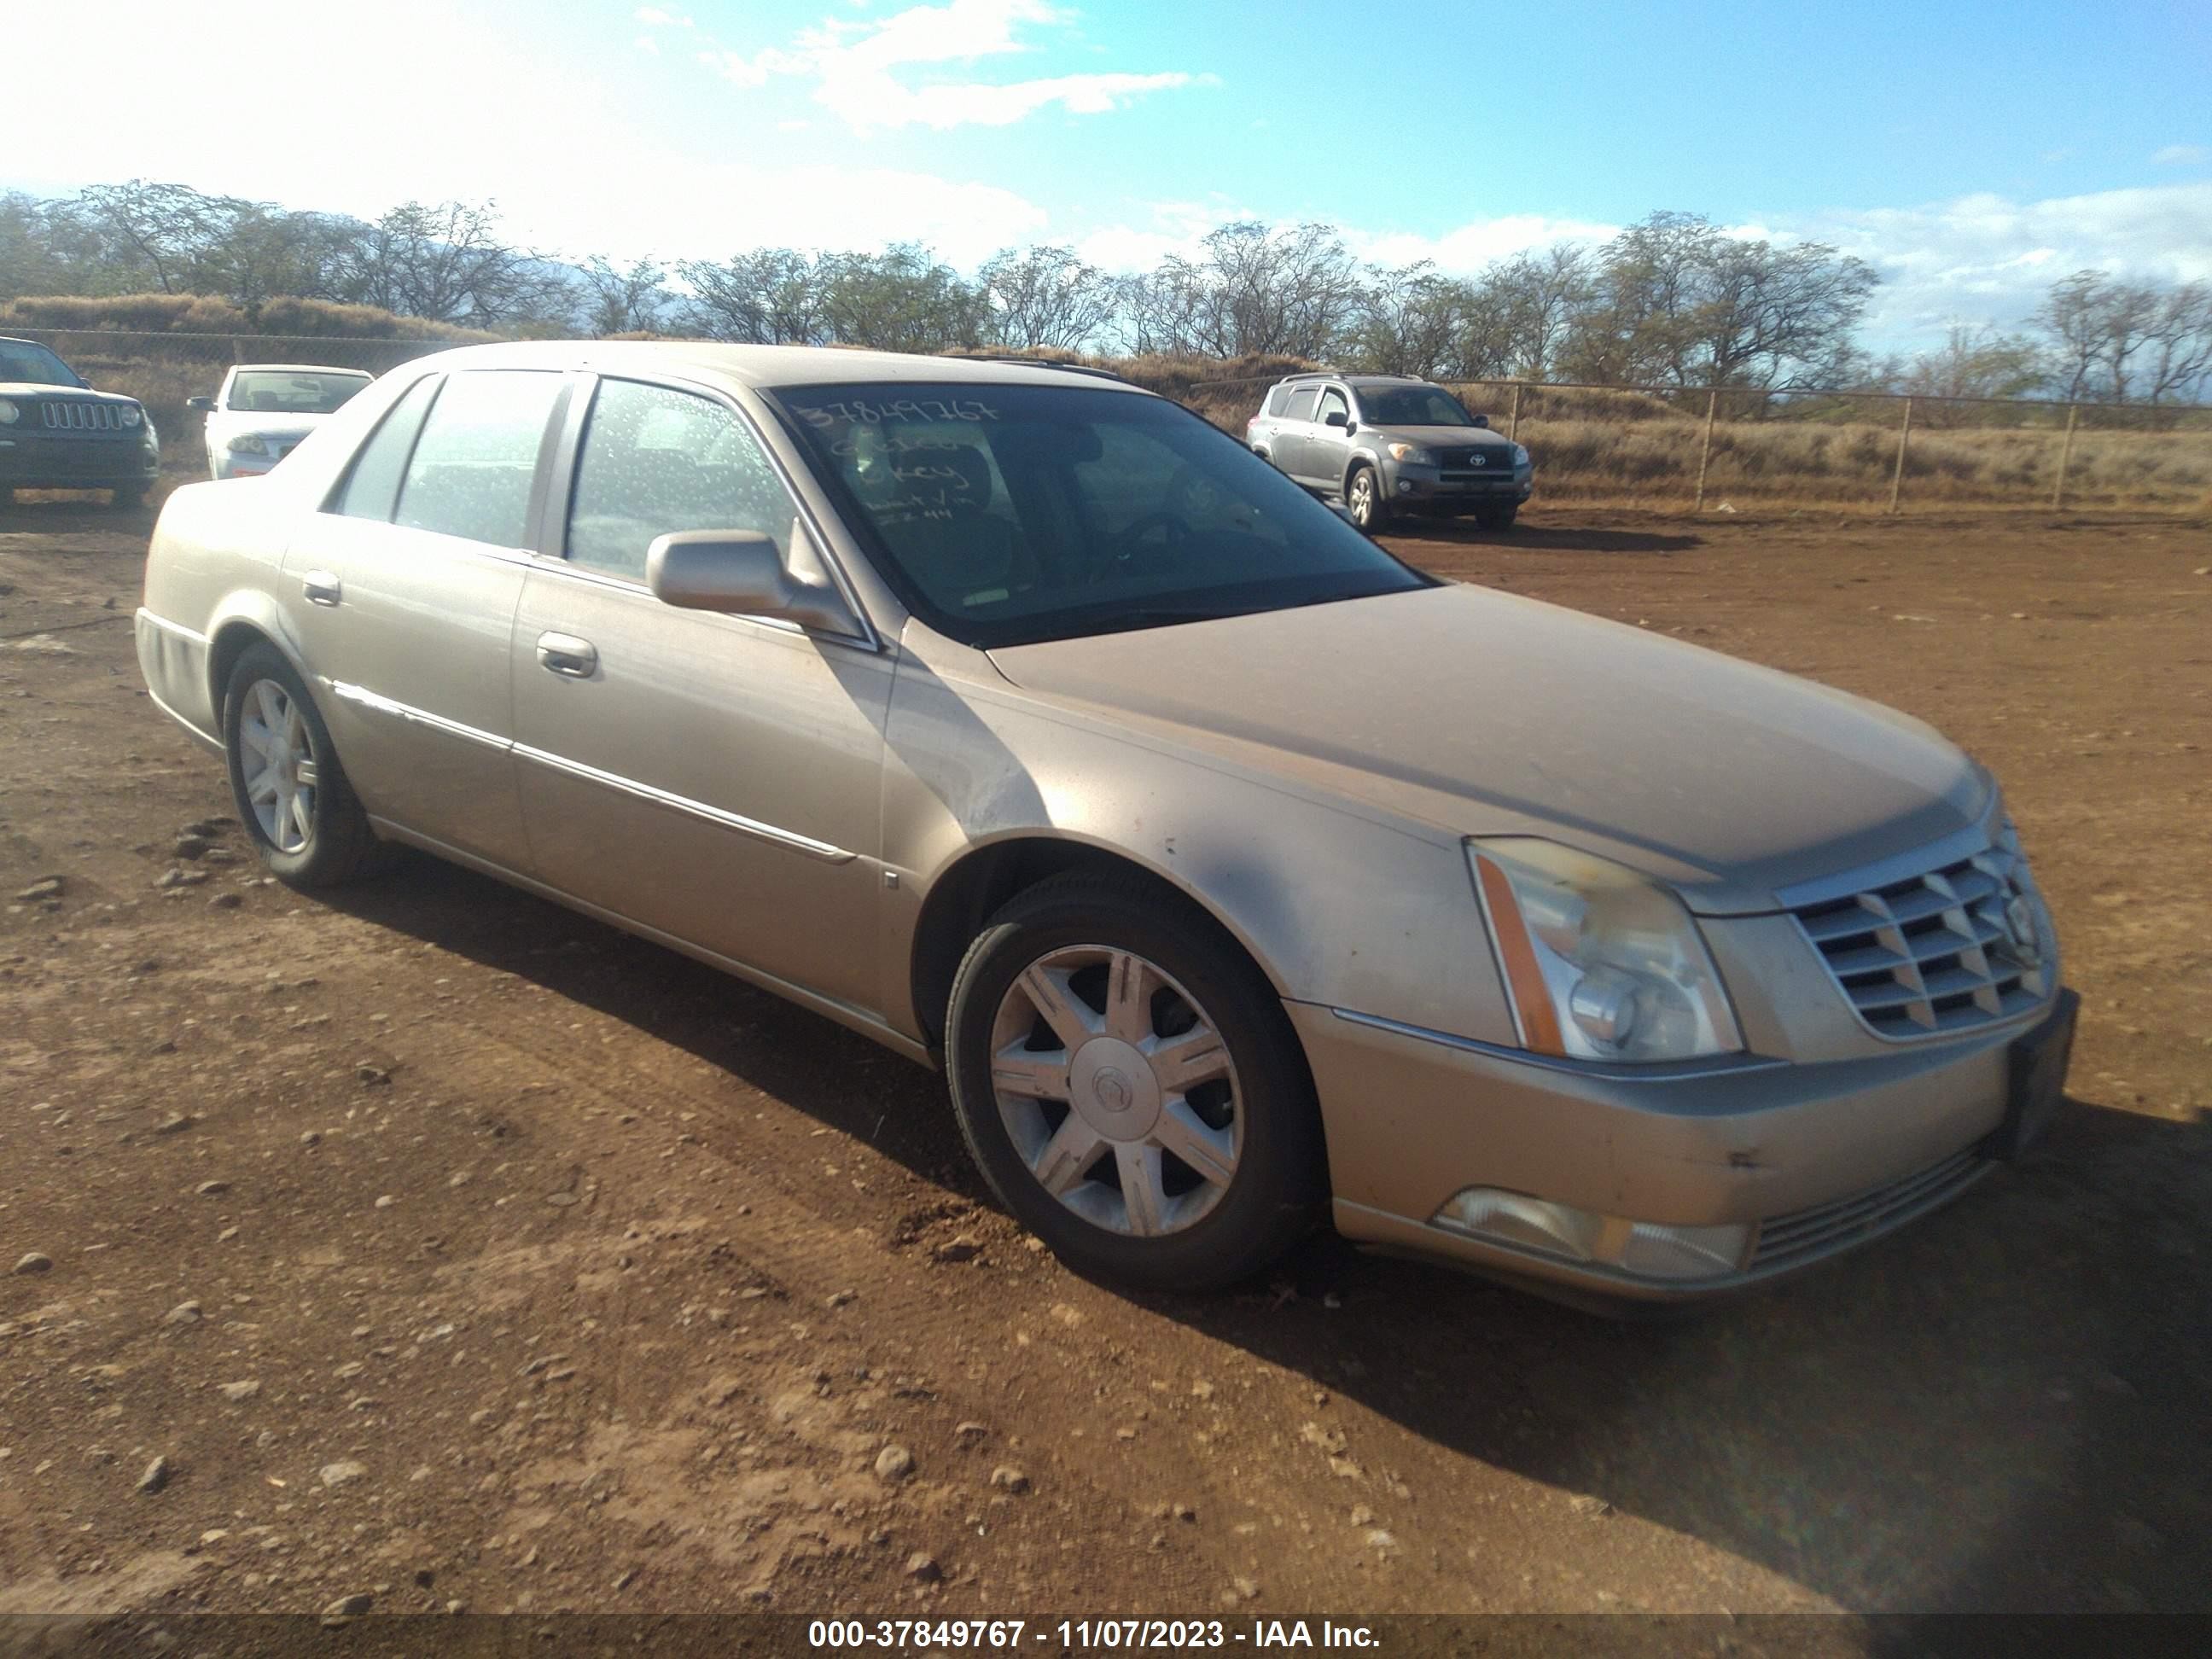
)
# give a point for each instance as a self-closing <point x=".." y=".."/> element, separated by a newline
<point x="1130" y="1087"/>
<point x="292" y="794"/>
<point x="1362" y="499"/>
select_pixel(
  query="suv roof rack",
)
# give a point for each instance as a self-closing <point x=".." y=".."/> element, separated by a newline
<point x="1041" y="362"/>
<point x="1343" y="374"/>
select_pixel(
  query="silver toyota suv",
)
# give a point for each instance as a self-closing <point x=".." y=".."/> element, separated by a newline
<point x="1388" y="443"/>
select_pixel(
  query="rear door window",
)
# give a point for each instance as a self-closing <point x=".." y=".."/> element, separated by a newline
<point x="476" y="463"/>
<point x="1302" y="404"/>
<point x="372" y="486"/>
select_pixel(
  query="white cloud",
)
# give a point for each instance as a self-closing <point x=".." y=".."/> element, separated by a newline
<point x="606" y="179"/>
<point x="1988" y="258"/>
<point x="654" y="17"/>
<point x="2183" y="155"/>
<point x="856" y="66"/>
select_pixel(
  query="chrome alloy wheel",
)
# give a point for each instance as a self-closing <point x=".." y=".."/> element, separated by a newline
<point x="1362" y="503"/>
<point x="279" y="765"/>
<point x="1116" y="1090"/>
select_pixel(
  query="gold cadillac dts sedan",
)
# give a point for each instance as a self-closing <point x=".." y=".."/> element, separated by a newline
<point x="1236" y="872"/>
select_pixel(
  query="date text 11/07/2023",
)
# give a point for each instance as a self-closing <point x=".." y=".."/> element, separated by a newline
<point x="1084" y="1635"/>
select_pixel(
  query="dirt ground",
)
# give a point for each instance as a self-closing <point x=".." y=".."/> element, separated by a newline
<point x="429" y="1243"/>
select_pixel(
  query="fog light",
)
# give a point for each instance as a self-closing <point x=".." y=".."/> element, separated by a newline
<point x="1405" y="486"/>
<point x="1655" y="1250"/>
<point x="1516" y="1219"/>
<point x="1642" y="1249"/>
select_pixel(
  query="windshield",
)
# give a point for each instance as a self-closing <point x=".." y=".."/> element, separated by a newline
<point x="33" y="365"/>
<point x="291" y="392"/>
<point x="1009" y="513"/>
<point x="1411" y="405"/>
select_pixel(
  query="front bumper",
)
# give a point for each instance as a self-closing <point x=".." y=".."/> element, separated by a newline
<point x="1425" y="487"/>
<point x="39" y="460"/>
<point x="1818" y="1157"/>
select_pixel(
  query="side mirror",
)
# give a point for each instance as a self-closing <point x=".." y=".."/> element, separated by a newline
<point x="1336" y="417"/>
<point x="1482" y="420"/>
<point x="205" y="406"/>
<point x="740" y="573"/>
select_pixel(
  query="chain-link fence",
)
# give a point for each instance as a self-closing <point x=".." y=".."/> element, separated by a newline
<point x="1695" y="449"/>
<point x="1707" y="450"/>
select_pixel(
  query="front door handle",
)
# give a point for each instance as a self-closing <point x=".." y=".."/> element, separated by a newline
<point x="566" y="654"/>
<point x="321" y="587"/>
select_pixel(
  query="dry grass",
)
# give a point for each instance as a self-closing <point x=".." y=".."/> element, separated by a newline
<point x="1775" y="464"/>
<point x="1592" y="446"/>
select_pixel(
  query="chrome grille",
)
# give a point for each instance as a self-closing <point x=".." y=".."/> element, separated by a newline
<point x="1956" y="946"/>
<point x="79" y="415"/>
<point x="1830" y="1226"/>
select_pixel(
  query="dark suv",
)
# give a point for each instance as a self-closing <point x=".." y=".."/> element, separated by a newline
<point x="56" y="433"/>
<point x="1386" y="444"/>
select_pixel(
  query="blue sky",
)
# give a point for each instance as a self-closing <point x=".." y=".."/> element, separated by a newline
<point x="1973" y="151"/>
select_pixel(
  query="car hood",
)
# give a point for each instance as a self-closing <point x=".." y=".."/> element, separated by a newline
<point x="40" y="389"/>
<point x="1482" y="713"/>
<point x="1448" y="437"/>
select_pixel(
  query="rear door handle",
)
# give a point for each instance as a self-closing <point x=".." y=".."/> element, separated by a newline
<point x="321" y="587"/>
<point x="566" y="654"/>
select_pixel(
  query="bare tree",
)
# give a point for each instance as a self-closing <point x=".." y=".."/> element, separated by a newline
<point x="1047" y="296"/>
<point x="621" y="299"/>
<point x="1408" y="321"/>
<point x="164" y="235"/>
<point x="2178" y="357"/>
<point x="451" y="263"/>
<point x="770" y="297"/>
<point x="1265" y="290"/>
<point x="1544" y="294"/>
<point x="902" y="300"/>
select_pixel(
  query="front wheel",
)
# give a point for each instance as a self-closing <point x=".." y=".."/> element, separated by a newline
<point x="292" y="794"/>
<point x="1497" y="518"/>
<point x="1362" y="499"/>
<point x="1130" y="1087"/>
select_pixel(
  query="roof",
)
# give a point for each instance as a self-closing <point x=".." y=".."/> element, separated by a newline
<point x="770" y="366"/>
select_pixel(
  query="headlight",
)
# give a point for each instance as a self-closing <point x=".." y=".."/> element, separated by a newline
<point x="131" y="417"/>
<point x="9" y="412"/>
<point x="247" y="443"/>
<point x="1413" y="452"/>
<point x="1520" y="455"/>
<point x="1601" y="964"/>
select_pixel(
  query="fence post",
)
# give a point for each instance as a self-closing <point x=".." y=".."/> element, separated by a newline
<point x="2065" y="455"/>
<point x="1903" y="437"/>
<point x="1705" y="452"/>
<point x="1513" y="422"/>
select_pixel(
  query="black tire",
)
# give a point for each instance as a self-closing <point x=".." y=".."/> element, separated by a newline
<point x="338" y="846"/>
<point x="1279" y="1185"/>
<point x="129" y="499"/>
<point x="1368" y="507"/>
<point x="1497" y="518"/>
